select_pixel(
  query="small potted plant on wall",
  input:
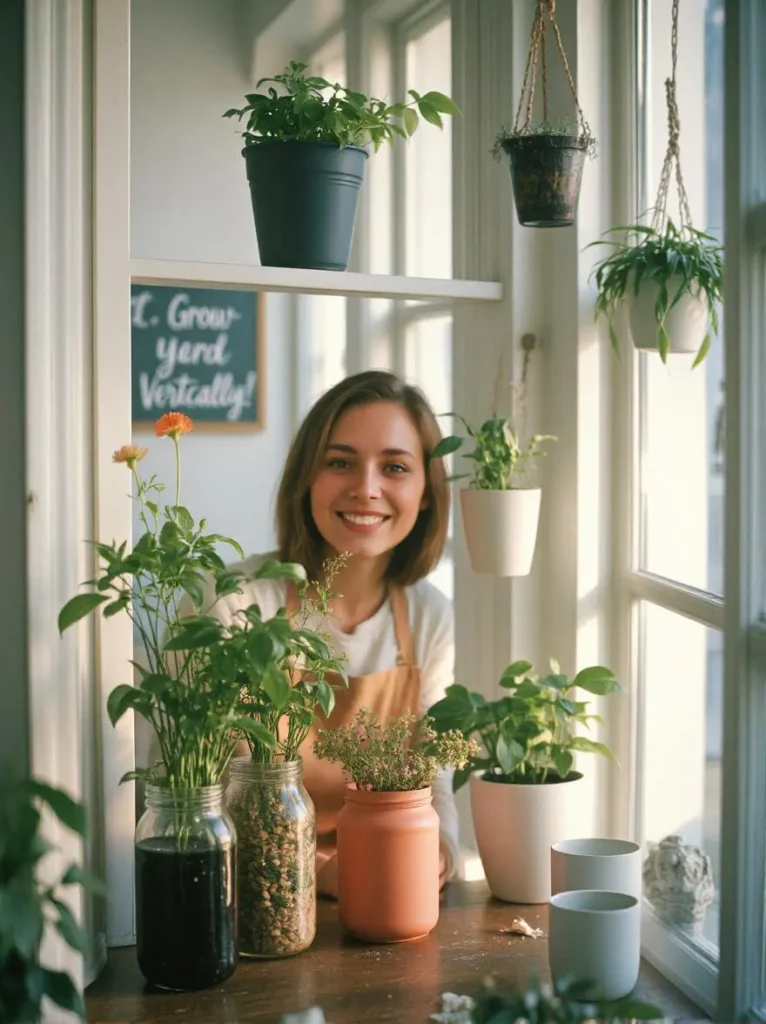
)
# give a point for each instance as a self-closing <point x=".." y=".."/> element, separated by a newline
<point x="670" y="279"/>
<point x="525" y="791"/>
<point x="305" y="150"/>
<point x="388" y="832"/>
<point x="286" y="673"/>
<point x="500" y="510"/>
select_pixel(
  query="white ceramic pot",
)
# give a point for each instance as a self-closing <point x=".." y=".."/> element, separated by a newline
<point x="686" y="323"/>
<point x="516" y="826"/>
<point x="501" y="529"/>
<point x="610" y="864"/>
<point x="595" y="936"/>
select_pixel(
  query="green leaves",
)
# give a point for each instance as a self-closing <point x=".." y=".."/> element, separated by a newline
<point x="679" y="261"/>
<point x="310" y="109"/>
<point x="77" y="608"/>
<point x="533" y="731"/>
<point x="67" y="810"/>
<point x="499" y="458"/>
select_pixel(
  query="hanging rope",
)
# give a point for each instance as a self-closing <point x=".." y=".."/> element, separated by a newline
<point x="545" y="13"/>
<point x="673" y="154"/>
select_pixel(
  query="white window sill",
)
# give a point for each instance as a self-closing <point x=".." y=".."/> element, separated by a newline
<point x="689" y="961"/>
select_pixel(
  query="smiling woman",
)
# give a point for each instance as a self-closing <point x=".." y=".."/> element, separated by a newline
<point x="360" y="480"/>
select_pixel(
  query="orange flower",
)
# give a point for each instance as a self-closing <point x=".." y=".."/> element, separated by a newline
<point x="129" y="453"/>
<point x="173" y="424"/>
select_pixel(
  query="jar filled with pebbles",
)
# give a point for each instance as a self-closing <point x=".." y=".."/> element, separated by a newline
<point x="276" y="828"/>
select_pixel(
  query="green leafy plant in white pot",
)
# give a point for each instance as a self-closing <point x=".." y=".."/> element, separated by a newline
<point x="525" y="791"/>
<point x="500" y="510"/>
<point x="670" y="276"/>
<point x="306" y="146"/>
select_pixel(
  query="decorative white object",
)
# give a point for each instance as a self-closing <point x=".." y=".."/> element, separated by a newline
<point x="454" y="1009"/>
<point x="595" y="935"/>
<point x="516" y="825"/>
<point x="678" y="881"/>
<point x="686" y="323"/>
<point x="501" y="529"/>
<point x="610" y="864"/>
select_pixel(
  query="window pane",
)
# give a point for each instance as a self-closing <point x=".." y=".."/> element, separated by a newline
<point x="429" y="161"/>
<point x="679" y="758"/>
<point x="681" y="453"/>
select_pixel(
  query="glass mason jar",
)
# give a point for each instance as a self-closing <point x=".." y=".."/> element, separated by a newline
<point x="186" y="888"/>
<point x="276" y="826"/>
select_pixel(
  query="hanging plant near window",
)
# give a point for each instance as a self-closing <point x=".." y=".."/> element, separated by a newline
<point x="669" y="275"/>
<point x="546" y="156"/>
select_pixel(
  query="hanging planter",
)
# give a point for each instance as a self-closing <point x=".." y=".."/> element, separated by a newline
<point x="669" y="277"/>
<point x="546" y="158"/>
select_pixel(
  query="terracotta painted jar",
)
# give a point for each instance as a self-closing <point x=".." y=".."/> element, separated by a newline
<point x="388" y="864"/>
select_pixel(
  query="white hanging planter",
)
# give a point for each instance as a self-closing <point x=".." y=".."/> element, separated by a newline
<point x="501" y="529"/>
<point x="686" y="323"/>
<point x="516" y="825"/>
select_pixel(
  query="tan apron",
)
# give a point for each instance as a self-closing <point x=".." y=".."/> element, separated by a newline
<point x="388" y="694"/>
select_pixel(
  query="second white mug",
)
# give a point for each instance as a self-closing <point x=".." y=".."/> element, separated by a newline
<point x="613" y="865"/>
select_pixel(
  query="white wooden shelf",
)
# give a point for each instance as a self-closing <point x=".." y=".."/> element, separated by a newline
<point x="317" y="282"/>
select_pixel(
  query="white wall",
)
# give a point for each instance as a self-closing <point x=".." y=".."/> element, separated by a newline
<point x="190" y="201"/>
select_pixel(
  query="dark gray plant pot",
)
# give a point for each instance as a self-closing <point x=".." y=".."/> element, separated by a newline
<point x="304" y="197"/>
<point x="546" y="173"/>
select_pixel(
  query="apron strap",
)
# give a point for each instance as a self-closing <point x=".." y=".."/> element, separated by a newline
<point x="405" y="650"/>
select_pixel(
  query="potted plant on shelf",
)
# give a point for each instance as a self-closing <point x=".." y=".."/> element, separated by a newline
<point x="671" y="280"/>
<point x="305" y="151"/>
<point x="500" y="514"/>
<point x="546" y="156"/>
<point x="524" y="788"/>
<point x="186" y="911"/>
<point x="388" y="832"/>
<point x="29" y="905"/>
<point x="286" y="674"/>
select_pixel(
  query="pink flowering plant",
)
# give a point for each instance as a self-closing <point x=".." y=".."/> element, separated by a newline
<point x="404" y="754"/>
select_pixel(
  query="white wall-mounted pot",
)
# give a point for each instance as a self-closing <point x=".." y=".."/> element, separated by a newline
<point x="686" y="323"/>
<point x="516" y="826"/>
<point x="501" y="529"/>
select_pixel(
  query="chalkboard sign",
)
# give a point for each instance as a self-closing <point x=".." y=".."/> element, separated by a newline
<point x="197" y="350"/>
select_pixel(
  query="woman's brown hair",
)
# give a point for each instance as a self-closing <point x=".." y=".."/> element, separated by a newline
<point x="297" y="534"/>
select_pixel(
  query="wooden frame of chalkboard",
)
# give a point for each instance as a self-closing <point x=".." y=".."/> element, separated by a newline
<point x="201" y="424"/>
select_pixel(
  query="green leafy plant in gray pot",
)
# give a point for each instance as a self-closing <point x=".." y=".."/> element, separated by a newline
<point x="28" y="904"/>
<point x="546" y="156"/>
<point x="524" y="788"/>
<point x="305" y="149"/>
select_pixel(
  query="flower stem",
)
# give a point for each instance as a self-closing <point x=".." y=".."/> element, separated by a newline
<point x="178" y="469"/>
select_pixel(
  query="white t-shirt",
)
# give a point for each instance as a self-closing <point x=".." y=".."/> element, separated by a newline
<point x="372" y="648"/>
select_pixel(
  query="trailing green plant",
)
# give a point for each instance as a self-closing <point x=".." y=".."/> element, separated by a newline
<point x="283" y="668"/>
<point x="28" y="905"/>
<point x="311" y="109"/>
<point x="404" y="754"/>
<point x="528" y="735"/>
<point x="565" y="1002"/>
<point x="195" y="714"/>
<point x="563" y="127"/>
<point x="680" y="261"/>
<point x="500" y="459"/>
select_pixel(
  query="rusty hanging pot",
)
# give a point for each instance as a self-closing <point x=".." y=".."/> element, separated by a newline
<point x="546" y="173"/>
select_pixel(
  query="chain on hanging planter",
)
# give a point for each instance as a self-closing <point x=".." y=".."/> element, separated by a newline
<point x="669" y="275"/>
<point x="546" y="156"/>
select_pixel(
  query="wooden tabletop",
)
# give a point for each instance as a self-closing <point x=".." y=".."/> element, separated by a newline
<point x="355" y="983"/>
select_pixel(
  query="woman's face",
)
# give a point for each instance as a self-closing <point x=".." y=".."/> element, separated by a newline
<point x="370" y="489"/>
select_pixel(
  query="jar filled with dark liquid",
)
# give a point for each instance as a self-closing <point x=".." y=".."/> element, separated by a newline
<point x="186" y="888"/>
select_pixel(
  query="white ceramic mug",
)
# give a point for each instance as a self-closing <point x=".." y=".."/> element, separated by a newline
<point x="595" y="936"/>
<point x="613" y="865"/>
